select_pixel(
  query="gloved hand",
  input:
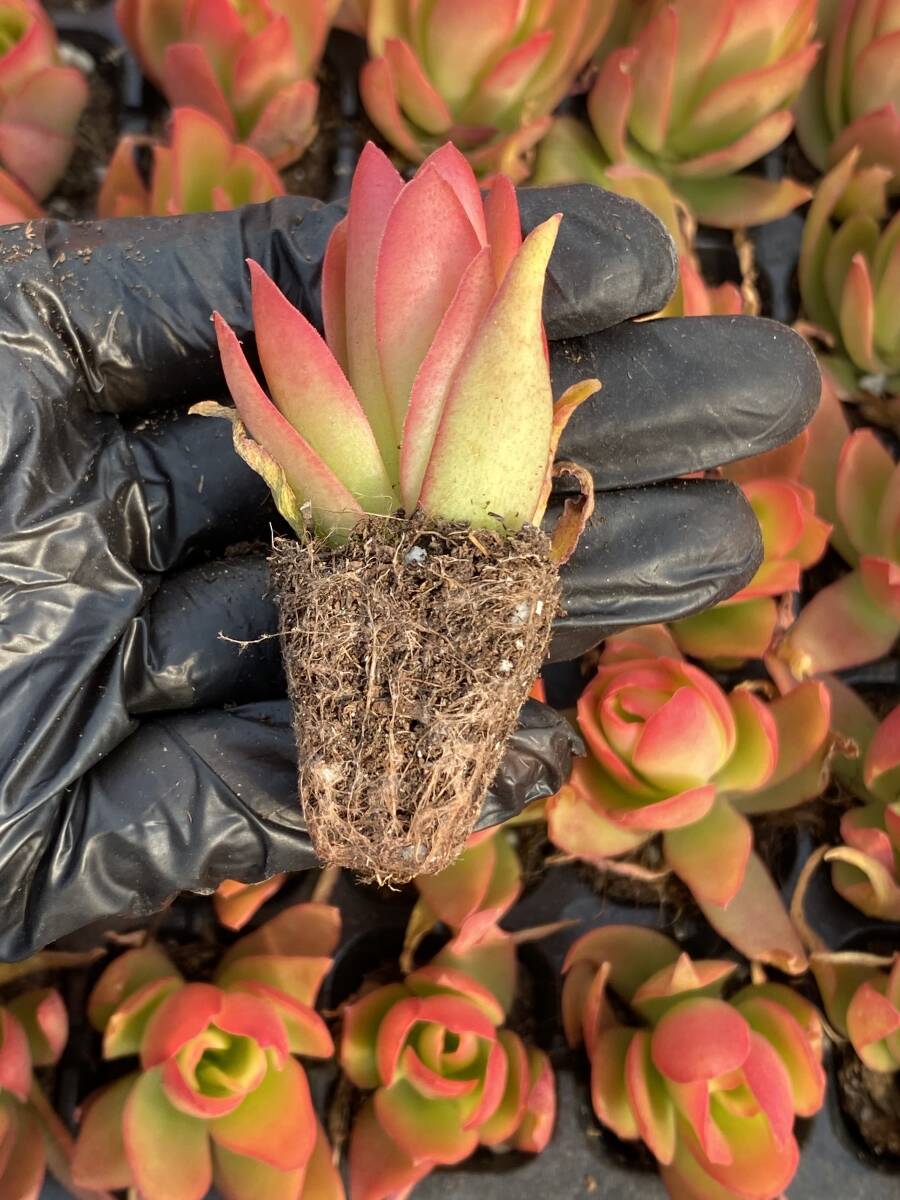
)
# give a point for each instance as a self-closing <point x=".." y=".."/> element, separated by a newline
<point x="140" y="753"/>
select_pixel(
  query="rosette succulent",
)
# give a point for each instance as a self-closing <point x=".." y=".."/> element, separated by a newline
<point x="484" y="76"/>
<point x="712" y="1086"/>
<point x="218" y="1096"/>
<point x="852" y="97"/>
<point x="861" y="995"/>
<point x="34" y="1029"/>
<point x="434" y="348"/>
<point x="445" y="1077"/>
<point x="670" y="753"/>
<point x="250" y="65"/>
<point x="866" y="867"/>
<point x="41" y="101"/>
<point x="857" y="618"/>
<point x="849" y="275"/>
<point x="200" y="170"/>
<point x="794" y="538"/>
<point x="702" y="89"/>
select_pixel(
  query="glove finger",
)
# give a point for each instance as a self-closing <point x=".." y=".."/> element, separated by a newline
<point x="193" y="799"/>
<point x="684" y="394"/>
<point x="655" y="554"/>
<point x="199" y="495"/>
<point x="613" y="259"/>
<point x="132" y="298"/>
<point x="205" y="639"/>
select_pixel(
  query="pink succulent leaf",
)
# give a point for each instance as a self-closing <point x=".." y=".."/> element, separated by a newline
<point x="508" y="1114"/>
<point x="649" y="1098"/>
<point x="711" y="855"/>
<point x="755" y="921"/>
<point x="700" y="1039"/>
<point x="309" y="480"/>
<point x="881" y="770"/>
<point x="168" y="1152"/>
<point x="15" y="1057"/>
<point x="362" y="1020"/>
<point x="42" y="1016"/>
<point x="845" y="625"/>
<point x="308" y="930"/>
<point x="506" y="362"/>
<point x="275" y="1123"/>
<point x="242" y="1177"/>
<point x="487" y="956"/>
<point x="795" y="1035"/>
<point x="536" y="1127"/>
<point x="236" y="903"/>
<point x="125" y="1028"/>
<point x="730" y="632"/>
<point x="802" y="723"/>
<point x="680" y="981"/>
<point x="754" y="762"/>
<point x="379" y="1168"/>
<point x="124" y="976"/>
<point x="485" y="880"/>
<point x="100" y="1159"/>
<point x="429" y="1130"/>
<point x="864" y="476"/>
<point x="307" y="1033"/>
<point x="609" y="1092"/>
<point x="577" y="826"/>
<point x="190" y="81"/>
<point x="287" y="125"/>
<point x="16" y="204"/>
<point x="861" y="995"/>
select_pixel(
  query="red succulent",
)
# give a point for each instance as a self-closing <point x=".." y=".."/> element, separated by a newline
<point x="200" y="170"/>
<point x="484" y="76"/>
<point x="711" y="1086"/>
<point x="249" y="65"/>
<point x="670" y="753"/>
<point x="445" y="1077"/>
<point x="218" y="1096"/>
<point x="235" y="903"/>
<point x="794" y="538"/>
<point x="41" y="101"/>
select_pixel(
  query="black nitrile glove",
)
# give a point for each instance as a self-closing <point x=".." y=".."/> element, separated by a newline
<point x="140" y="753"/>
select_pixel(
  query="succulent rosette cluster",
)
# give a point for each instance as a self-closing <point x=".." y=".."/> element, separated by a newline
<point x="670" y="753"/>
<point x="199" y="170"/>
<point x="218" y="1096"/>
<point x="41" y="100"/>
<point x="484" y="76"/>
<point x="865" y="867"/>
<point x="432" y="302"/>
<point x="861" y="995"/>
<point x="445" y="1077"/>
<point x="34" y="1028"/>
<point x="250" y="66"/>
<point x="794" y="538"/>
<point x="852" y="97"/>
<point x="712" y="1086"/>
<point x="699" y="91"/>
<point x="849" y="274"/>
<point x="857" y="618"/>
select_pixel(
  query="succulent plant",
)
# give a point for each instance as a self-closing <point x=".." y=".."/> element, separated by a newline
<point x="235" y="903"/>
<point x="849" y="273"/>
<point x="856" y="619"/>
<point x="861" y="995"/>
<point x="712" y="1086"/>
<point x="15" y="202"/>
<point x="34" y="1029"/>
<point x="866" y="867"/>
<point x="407" y="361"/>
<point x="200" y="170"/>
<point x="41" y="101"/>
<point x="794" y="538"/>
<point x="669" y="752"/>
<point x="217" y="1096"/>
<point x="700" y="91"/>
<point x="484" y="76"/>
<point x="249" y="65"/>
<point x="445" y="1077"/>
<point x="852" y="97"/>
